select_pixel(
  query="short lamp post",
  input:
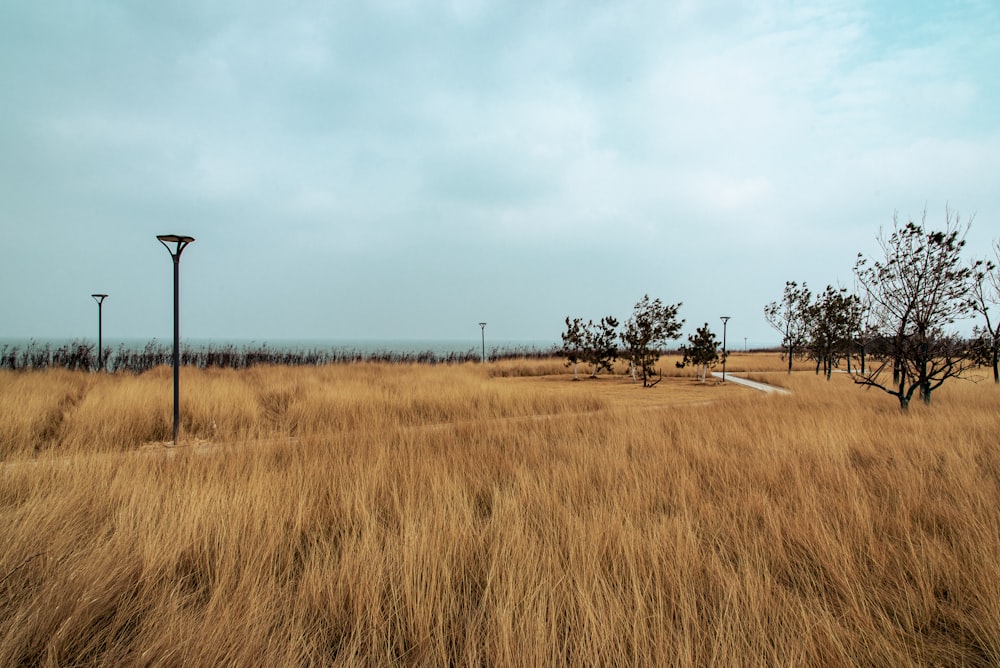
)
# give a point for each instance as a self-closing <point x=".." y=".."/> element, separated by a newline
<point x="181" y="243"/>
<point x="725" y="321"/>
<point x="99" y="298"/>
<point x="482" y="326"/>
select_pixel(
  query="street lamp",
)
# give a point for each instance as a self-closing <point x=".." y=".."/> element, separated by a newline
<point x="99" y="298"/>
<point x="482" y="326"/>
<point x="744" y="344"/>
<point x="725" y="321"/>
<point x="175" y="253"/>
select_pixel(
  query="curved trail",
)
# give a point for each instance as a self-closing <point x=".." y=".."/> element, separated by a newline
<point x="752" y="384"/>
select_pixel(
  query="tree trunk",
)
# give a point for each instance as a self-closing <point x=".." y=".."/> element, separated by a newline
<point x="575" y="376"/>
<point x="862" y="360"/>
<point x="791" y="353"/>
<point x="996" y="355"/>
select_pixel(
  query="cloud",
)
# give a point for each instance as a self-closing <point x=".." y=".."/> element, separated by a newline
<point x="400" y="146"/>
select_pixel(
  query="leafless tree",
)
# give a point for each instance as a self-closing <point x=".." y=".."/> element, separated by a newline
<point x="832" y="319"/>
<point x="985" y="294"/>
<point x="917" y="289"/>
<point x="789" y="317"/>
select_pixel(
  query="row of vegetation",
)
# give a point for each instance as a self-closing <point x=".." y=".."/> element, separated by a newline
<point x="83" y="356"/>
<point x="895" y="332"/>
<point x="899" y="325"/>
<point x="642" y="339"/>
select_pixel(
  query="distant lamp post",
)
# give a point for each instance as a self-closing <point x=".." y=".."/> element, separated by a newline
<point x="99" y="298"/>
<point x="175" y="253"/>
<point x="725" y="321"/>
<point x="744" y="344"/>
<point x="482" y="326"/>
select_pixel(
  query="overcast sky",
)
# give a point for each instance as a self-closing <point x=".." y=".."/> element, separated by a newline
<point x="405" y="170"/>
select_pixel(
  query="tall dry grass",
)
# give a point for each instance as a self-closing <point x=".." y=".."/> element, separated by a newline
<point x="370" y="514"/>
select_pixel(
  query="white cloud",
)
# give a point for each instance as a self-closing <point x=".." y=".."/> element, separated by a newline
<point x="437" y="132"/>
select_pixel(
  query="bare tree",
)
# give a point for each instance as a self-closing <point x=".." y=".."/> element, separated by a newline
<point x="790" y="318"/>
<point x="984" y="294"/>
<point x="917" y="289"/>
<point x="831" y="325"/>
<point x="864" y="331"/>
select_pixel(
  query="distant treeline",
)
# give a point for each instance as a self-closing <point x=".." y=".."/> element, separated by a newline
<point x="82" y="356"/>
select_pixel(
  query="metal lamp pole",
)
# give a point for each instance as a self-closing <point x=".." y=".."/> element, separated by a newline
<point x="175" y="253"/>
<point x="99" y="298"/>
<point x="482" y="326"/>
<point x="725" y="321"/>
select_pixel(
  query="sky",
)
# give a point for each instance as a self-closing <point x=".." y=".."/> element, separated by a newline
<point x="405" y="170"/>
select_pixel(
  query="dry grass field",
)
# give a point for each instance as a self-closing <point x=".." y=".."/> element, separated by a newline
<point x="495" y="514"/>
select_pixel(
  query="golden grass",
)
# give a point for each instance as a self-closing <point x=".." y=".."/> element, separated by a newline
<point x="494" y="514"/>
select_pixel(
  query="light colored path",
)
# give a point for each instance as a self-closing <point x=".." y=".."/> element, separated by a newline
<point x="762" y="387"/>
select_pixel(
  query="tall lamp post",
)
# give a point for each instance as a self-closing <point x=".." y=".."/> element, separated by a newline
<point x="725" y="321"/>
<point x="99" y="298"/>
<point x="175" y="253"/>
<point x="482" y="326"/>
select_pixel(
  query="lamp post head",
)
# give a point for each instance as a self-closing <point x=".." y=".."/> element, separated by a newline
<point x="99" y="297"/>
<point x="724" y="319"/>
<point x="181" y="240"/>
<point x="483" y="325"/>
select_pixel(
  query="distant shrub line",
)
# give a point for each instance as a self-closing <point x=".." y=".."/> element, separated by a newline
<point x="82" y="356"/>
